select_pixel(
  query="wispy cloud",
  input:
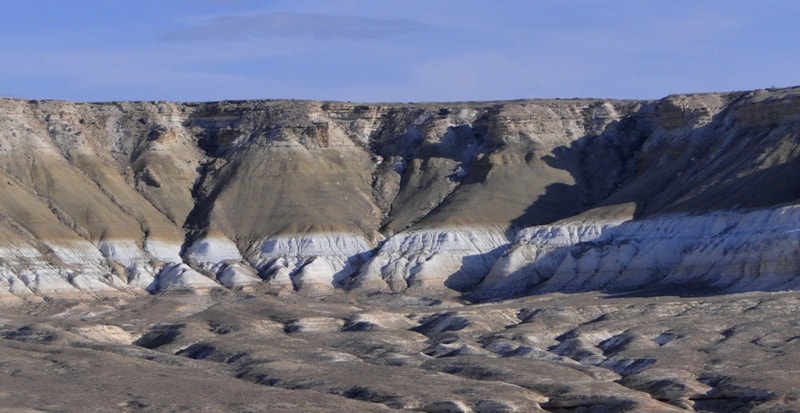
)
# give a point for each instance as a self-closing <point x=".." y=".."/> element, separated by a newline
<point x="318" y="26"/>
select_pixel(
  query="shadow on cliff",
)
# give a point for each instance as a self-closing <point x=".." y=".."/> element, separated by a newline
<point x="473" y="269"/>
<point x="600" y="165"/>
<point x="678" y="255"/>
<point x="714" y="167"/>
<point x="431" y="170"/>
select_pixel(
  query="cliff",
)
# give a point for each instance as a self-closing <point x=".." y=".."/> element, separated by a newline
<point x="693" y="193"/>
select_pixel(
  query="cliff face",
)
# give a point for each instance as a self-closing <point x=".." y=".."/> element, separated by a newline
<point x="493" y="199"/>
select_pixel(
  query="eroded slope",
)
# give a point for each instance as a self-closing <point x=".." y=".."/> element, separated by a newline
<point x="423" y="198"/>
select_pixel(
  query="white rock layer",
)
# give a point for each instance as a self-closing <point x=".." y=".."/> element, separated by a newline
<point x="141" y="264"/>
<point x="181" y="276"/>
<point x="319" y="261"/>
<point x="720" y="252"/>
<point x="212" y="250"/>
<point x="163" y="250"/>
<point x="235" y="274"/>
<point x="433" y="259"/>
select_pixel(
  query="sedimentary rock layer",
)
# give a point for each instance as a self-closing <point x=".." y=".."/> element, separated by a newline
<point x="487" y="199"/>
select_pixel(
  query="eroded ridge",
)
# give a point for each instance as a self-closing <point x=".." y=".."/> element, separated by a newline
<point x="488" y="200"/>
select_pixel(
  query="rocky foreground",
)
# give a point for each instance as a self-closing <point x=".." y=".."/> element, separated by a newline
<point x="267" y="351"/>
<point x="475" y="256"/>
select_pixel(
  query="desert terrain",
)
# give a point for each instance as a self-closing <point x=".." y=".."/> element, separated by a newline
<point x="558" y="255"/>
<point x="263" y="351"/>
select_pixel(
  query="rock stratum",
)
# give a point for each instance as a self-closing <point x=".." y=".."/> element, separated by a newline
<point x="486" y="200"/>
<point x="522" y="256"/>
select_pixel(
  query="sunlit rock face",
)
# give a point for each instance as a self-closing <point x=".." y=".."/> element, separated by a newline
<point x="488" y="200"/>
<point x="427" y="260"/>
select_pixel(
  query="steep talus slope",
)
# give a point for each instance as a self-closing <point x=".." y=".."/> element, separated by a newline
<point x="492" y="199"/>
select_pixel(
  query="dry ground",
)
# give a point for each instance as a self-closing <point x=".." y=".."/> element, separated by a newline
<point x="265" y="351"/>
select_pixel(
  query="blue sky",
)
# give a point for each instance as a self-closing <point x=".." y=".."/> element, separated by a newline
<point x="398" y="50"/>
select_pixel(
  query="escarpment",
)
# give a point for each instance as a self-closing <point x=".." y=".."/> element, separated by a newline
<point x="486" y="199"/>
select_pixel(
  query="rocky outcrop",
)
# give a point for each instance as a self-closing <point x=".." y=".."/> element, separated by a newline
<point x="427" y="261"/>
<point x="488" y="199"/>
<point x="720" y="252"/>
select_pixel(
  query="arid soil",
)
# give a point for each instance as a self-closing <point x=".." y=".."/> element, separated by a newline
<point x="266" y="351"/>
